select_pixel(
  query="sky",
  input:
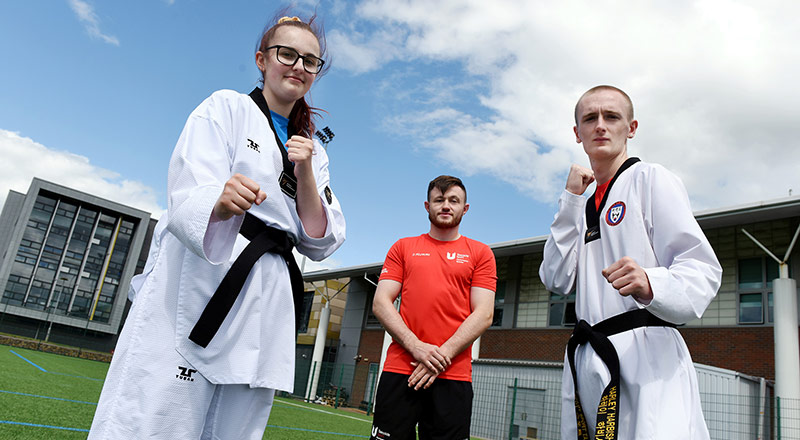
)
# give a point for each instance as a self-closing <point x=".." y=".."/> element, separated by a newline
<point x="93" y="95"/>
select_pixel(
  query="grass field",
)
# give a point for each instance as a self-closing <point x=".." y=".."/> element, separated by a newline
<point x="48" y="396"/>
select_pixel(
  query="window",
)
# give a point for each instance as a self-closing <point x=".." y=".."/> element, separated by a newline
<point x="754" y="285"/>
<point x="305" y="314"/>
<point x="499" y="303"/>
<point x="370" y="320"/>
<point x="751" y="308"/>
<point x="562" y="310"/>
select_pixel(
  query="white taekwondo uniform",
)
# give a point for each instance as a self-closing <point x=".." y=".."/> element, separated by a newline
<point x="646" y="217"/>
<point x="152" y="389"/>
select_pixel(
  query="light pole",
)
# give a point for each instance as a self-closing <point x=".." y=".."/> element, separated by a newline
<point x="787" y="346"/>
<point x="319" y="341"/>
<point x="50" y="308"/>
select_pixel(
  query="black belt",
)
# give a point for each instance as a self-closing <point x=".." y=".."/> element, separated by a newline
<point x="597" y="336"/>
<point x="263" y="239"/>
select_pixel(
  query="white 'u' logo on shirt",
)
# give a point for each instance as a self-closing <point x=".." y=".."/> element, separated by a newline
<point x="451" y="256"/>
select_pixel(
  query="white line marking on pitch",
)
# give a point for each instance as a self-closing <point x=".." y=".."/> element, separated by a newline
<point x="323" y="411"/>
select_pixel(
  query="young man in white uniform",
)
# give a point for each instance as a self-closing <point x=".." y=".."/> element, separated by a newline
<point x="641" y="265"/>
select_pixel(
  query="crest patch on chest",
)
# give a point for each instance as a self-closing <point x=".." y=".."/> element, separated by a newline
<point x="615" y="214"/>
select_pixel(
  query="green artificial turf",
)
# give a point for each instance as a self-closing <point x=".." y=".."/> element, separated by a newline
<point x="25" y="389"/>
<point x="36" y="404"/>
<point x="294" y="420"/>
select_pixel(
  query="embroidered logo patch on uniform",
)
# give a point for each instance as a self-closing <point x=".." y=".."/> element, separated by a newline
<point x="592" y="234"/>
<point x="288" y="185"/>
<point x="186" y="374"/>
<point x="253" y="145"/>
<point x="328" y="194"/>
<point x="615" y="214"/>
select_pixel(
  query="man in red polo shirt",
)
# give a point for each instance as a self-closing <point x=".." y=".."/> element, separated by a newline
<point x="446" y="283"/>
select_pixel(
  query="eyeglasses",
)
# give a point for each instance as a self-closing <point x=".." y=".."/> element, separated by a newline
<point x="289" y="56"/>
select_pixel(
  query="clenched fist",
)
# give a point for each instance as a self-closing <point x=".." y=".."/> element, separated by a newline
<point x="579" y="179"/>
<point x="629" y="278"/>
<point x="238" y="196"/>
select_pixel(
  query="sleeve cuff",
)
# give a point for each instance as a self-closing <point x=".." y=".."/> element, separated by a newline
<point x="191" y="224"/>
<point x="327" y="238"/>
<point x="659" y="284"/>
<point x="220" y="237"/>
<point x="570" y="199"/>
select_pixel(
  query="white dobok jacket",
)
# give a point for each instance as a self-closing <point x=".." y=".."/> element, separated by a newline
<point x="646" y="217"/>
<point x="189" y="255"/>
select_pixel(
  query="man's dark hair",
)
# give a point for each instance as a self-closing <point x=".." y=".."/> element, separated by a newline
<point x="443" y="183"/>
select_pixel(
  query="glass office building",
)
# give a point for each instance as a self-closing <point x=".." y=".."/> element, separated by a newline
<point x="68" y="256"/>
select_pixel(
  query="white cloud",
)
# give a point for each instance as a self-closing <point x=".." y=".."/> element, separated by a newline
<point x="87" y="16"/>
<point x="712" y="82"/>
<point x="19" y="167"/>
<point x="361" y="53"/>
<point x="24" y="159"/>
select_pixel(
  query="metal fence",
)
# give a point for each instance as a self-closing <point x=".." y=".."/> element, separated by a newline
<point x="530" y="411"/>
<point x="517" y="400"/>
<point x="787" y="419"/>
<point x="734" y="417"/>
<point x="54" y="337"/>
<point x="522" y="400"/>
<point x="337" y="384"/>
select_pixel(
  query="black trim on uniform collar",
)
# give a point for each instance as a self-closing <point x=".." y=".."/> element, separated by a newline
<point x="258" y="97"/>
<point x="287" y="181"/>
<point x="593" y="212"/>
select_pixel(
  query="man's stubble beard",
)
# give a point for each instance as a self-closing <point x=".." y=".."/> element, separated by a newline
<point x="452" y="223"/>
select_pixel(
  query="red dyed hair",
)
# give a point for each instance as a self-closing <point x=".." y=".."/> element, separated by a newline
<point x="301" y="118"/>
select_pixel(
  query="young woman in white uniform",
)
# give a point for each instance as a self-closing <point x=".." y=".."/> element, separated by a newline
<point x="205" y="346"/>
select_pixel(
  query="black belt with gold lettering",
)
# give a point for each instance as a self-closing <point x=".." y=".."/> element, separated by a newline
<point x="263" y="239"/>
<point x="597" y="336"/>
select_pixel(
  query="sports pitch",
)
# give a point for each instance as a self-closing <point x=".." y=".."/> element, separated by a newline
<point x="49" y="396"/>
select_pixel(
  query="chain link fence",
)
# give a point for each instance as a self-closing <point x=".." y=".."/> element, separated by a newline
<point x="521" y="400"/>
<point x="787" y="420"/>
<point x="337" y="384"/>
<point x="516" y="401"/>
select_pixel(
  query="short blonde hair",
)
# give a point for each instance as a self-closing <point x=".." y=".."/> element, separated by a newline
<point x="605" y="87"/>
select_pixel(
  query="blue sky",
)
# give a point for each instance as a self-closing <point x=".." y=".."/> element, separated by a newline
<point x="94" y="95"/>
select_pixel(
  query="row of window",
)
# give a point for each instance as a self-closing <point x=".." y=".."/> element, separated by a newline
<point x="754" y="293"/>
<point x="65" y="251"/>
<point x="754" y="297"/>
<point x="754" y="286"/>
